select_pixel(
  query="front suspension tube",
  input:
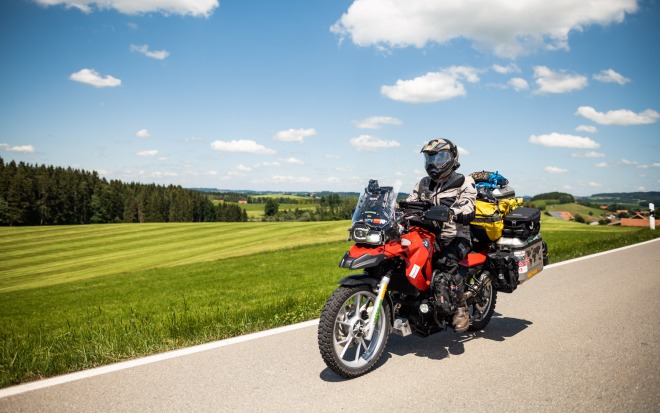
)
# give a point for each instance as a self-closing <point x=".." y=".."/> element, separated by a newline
<point x="377" y="306"/>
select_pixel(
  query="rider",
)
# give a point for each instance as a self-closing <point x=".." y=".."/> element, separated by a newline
<point x="444" y="185"/>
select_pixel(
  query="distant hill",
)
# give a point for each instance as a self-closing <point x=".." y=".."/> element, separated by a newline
<point x="636" y="198"/>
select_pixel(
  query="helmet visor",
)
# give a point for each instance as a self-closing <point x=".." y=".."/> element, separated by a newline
<point x="441" y="161"/>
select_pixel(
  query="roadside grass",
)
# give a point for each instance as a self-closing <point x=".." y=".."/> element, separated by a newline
<point x="99" y="317"/>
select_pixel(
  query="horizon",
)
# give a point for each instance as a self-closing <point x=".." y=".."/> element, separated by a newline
<point x="300" y="96"/>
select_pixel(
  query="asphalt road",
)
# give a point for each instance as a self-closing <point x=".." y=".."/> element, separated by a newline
<point x="579" y="337"/>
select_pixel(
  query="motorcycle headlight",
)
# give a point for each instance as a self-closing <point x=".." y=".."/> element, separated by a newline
<point x="366" y="235"/>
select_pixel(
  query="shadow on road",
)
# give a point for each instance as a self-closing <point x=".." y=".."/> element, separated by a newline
<point x="441" y="345"/>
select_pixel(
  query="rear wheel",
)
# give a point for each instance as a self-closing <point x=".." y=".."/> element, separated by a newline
<point x="343" y="328"/>
<point x="482" y="305"/>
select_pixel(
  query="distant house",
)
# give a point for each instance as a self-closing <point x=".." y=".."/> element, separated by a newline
<point x="637" y="220"/>
<point x="242" y="201"/>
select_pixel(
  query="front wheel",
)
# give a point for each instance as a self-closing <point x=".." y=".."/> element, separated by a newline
<point x="482" y="305"/>
<point x="342" y="331"/>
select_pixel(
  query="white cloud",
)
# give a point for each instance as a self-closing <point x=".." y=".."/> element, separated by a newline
<point x="558" y="140"/>
<point x="591" y="154"/>
<point x="242" y="168"/>
<point x="505" y="70"/>
<point x="622" y="117"/>
<point x="462" y="151"/>
<point x="294" y="135"/>
<point x="370" y="143"/>
<point x="518" y="84"/>
<point x="147" y="153"/>
<point x="155" y="54"/>
<point x="143" y="133"/>
<point x="586" y="128"/>
<point x="91" y="77"/>
<point x="293" y="161"/>
<point x="197" y="8"/>
<point x="241" y="145"/>
<point x="267" y="165"/>
<point x="433" y="86"/>
<point x="290" y="179"/>
<point x="595" y="184"/>
<point x="159" y="174"/>
<point x="555" y="170"/>
<point x="610" y="76"/>
<point x="550" y="81"/>
<point x="507" y="28"/>
<point x="375" y="122"/>
<point x="21" y="148"/>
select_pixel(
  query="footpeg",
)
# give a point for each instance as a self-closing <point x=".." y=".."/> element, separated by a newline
<point x="401" y="327"/>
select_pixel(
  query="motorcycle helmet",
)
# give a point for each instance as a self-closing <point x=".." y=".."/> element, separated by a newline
<point x="440" y="158"/>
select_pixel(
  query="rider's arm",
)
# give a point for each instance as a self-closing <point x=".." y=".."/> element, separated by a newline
<point x="463" y="208"/>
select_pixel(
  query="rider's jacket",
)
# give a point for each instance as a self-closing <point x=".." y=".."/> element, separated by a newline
<point x="457" y="191"/>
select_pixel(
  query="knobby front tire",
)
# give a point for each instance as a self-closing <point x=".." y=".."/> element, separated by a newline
<point x="341" y="335"/>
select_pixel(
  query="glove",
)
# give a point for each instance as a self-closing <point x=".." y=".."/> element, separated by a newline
<point x="464" y="219"/>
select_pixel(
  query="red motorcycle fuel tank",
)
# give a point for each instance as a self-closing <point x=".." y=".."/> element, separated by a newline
<point x="414" y="247"/>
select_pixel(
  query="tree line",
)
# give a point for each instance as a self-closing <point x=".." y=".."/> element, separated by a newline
<point x="47" y="195"/>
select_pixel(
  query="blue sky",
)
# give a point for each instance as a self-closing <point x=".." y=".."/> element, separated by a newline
<point x="299" y="95"/>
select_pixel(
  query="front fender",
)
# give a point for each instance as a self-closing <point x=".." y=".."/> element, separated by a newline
<point x="366" y="279"/>
<point x="360" y="279"/>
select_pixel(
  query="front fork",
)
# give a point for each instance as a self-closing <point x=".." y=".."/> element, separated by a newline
<point x="382" y="289"/>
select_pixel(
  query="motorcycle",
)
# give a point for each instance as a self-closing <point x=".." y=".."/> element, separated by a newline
<point x="398" y="289"/>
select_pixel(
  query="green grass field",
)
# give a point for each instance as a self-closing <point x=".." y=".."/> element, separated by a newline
<point x="81" y="296"/>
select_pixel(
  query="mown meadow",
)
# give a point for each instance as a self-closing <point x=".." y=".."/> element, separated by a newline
<point x="75" y="297"/>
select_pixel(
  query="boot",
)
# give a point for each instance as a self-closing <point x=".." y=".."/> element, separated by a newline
<point x="461" y="320"/>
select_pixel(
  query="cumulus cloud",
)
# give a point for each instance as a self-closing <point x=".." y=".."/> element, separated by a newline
<point x="610" y="76"/>
<point x="555" y="170"/>
<point x="290" y="179"/>
<point x="197" y="8"/>
<point x="375" y="122"/>
<point x="143" y="133"/>
<point x="241" y="145"/>
<point x="155" y="54"/>
<point x="370" y="143"/>
<point x="433" y="86"/>
<point x="92" y="77"/>
<point x="20" y="148"/>
<point x="293" y="161"/>
<point x="591" y="154"/>
<point x="147" y="153"/>
<point x="294" y="135"/>
<point x="518" y="84"/>
<point x="507" y="28"/>
<point x="550" y="81"/>
<point x="505" y="70"/>
<point x="586" y="128"/>
<point x="558" y="140"/>
<point x="621" y="117"/>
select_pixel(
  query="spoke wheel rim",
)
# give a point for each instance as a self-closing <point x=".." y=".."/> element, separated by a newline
<point x="349" y="341"/>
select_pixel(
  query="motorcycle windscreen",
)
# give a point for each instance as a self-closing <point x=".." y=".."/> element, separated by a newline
<point x="376" y="208"/>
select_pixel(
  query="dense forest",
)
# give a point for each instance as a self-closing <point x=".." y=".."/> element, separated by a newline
<point x="47" y="195"/>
